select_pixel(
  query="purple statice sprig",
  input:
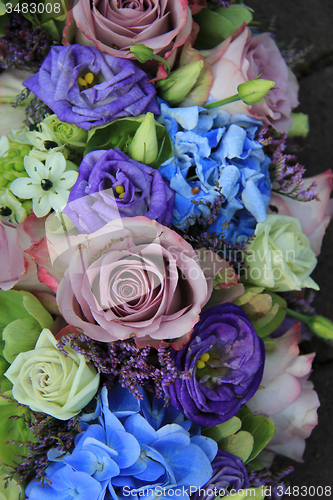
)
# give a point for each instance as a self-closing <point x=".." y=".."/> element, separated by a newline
<point x="134" y="367"/>
<point x="286" y="172"/>
<point x="294" y="57"/>
<point x="48" y="433"/>
<point x="301" y="301"/>
<point x="23" y="45"/>
<point x="222" y="3"/>
<point x="35" y="111"/>
<point x="272" y="481"/>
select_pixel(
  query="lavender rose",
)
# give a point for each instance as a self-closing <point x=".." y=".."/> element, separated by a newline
<point x="226" y="359"/>
<point x="132" y="278"/>
<point x="88" y="88"/>
<point x="114" y="26"/>
<point x="229" y="474"/>
<point x="110" y="184"/>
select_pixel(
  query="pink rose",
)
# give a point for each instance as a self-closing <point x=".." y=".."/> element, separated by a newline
<point x="314" y="215"/>
<point x="244" y="58"/>
<point x="16" y="267"/>
<point x="132" y="278"/>
<point x="113" y="26"/>
<point x="287" y="396"/>
<point x="11" y="256"/>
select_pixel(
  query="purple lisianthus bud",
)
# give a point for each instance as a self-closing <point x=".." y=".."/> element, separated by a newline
<point x="229" y="474"/>
<point x="89" y="88"/>
<point x="226" y="359"/>
<point x="112" y="185"/>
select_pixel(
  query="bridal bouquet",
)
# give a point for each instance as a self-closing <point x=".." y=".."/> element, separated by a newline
<point x="157" y="239"/>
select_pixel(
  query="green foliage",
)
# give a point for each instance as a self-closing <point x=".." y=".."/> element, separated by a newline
<point x="260" y="427"/>
<point x="13" y="428"/>
<point x="21" y="321"/>
<point x="217" y="23"/>
<point x="244" y="435"/>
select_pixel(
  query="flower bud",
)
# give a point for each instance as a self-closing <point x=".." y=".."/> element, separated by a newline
<point x="142" y="52"/>
<point x="179" y="83"/>
<point x="321" y="326"/>
<point x="300" y="126"/>
<point x="144" y="147"/>
<point x="252" y="91"/>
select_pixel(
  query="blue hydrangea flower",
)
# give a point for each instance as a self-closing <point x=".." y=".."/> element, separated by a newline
<point x="122" y="453"/>
<point x="211" y="146"/>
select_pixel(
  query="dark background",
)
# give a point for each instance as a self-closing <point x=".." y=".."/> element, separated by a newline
<point x="310" y="23"/>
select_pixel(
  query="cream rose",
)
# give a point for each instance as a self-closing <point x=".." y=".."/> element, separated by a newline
<point x="48" y="381"/>
<point x="280" y="258"/>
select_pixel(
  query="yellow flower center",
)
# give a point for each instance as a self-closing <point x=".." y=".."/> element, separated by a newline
<point x="86" y="82"/>
<point x="120" y="191"/>
<point x="201" y="363"/>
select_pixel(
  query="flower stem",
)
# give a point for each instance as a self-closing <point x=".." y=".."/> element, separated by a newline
<point x="298" y="315"/>
<point x="227" y="100"/>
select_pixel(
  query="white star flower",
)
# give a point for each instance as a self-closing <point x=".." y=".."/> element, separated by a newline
<point x="47" y="185"/>
<point x="10" y="208"/>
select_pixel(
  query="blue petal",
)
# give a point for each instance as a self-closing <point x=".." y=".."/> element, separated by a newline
<point x="234" y="138"/>
<point x="84" y="461"/>
<point x="208" y="446"/>
<point x="121" y="402"/>
<point x="228" y="178"/>
<point x="186" y="117"/>
<point x="127" y="447"/>
<point x="253" y="201"/>
<point x="141" y="429"/>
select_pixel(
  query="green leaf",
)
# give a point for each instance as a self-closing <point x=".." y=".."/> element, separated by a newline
<point x="35" y="308"/>
<point x="239" y="444"/>
<point x="51" y="28"/>
<point x="2" y="9"/>
<point x="13" y="429"/>
<point x="4" y="365"/>
<point x="260" y="427"/>
<point x="224" y="430"/>
<point x="11" y="307"/>
<point x="6" y="387"/>
<point x="256" y="465"/>
<point x="20" y="336"/>
<point x="279" y="317"/>
<point x="216" y="25"/>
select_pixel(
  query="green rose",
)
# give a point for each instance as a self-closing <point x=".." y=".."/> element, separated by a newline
<point x="13" y="491"/>
<point x="280" y="258"/>
<point x="67" y="133"/>
<point x="46" y="380"/>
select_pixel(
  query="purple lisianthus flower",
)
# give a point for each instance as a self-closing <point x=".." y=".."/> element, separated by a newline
<point x="89" y="88"/>
<point x="229" y="474"/>
<point x="226" y="359"/>
<point x="112" y="185"/>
